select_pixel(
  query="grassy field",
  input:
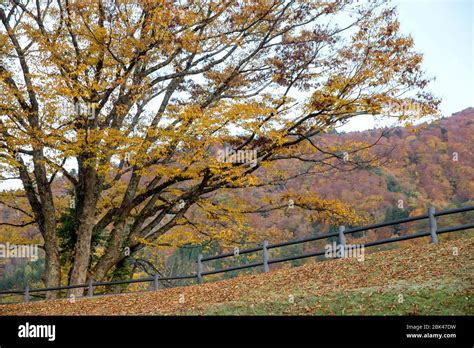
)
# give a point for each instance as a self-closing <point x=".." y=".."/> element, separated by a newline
<point x="412" y="280"/>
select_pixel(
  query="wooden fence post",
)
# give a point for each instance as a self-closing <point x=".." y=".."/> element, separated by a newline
<point x="90" y="291"/>
<point x="341" y="241"/>
<point x="433" y="225"/>
<point x="155" y="282"/>
<point x="26" y="296"/>
<point x="265" y="256"/>
<point x="199" y="269"/>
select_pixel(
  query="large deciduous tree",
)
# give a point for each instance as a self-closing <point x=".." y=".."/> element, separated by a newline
<point x="138" y="96"/>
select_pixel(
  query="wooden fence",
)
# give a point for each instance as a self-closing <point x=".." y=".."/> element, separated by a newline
<point x="433" y="232"/>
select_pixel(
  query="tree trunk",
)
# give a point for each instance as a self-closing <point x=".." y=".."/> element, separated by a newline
<point x="52" y="272"/>
<point x="82" y="253"/>
<point x="86" y="194"/>
<point x="112" y="255"/>
<point x="46" y="214"/>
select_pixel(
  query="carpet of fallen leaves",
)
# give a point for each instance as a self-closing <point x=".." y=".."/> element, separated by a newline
<point x="409" y="264"/>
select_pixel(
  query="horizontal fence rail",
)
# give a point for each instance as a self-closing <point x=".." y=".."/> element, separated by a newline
<point x="200" y="273"/>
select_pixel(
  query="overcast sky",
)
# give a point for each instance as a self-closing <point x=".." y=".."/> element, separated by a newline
<point x="443" y="31"/>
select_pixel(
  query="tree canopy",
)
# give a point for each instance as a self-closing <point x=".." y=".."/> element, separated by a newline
<point x="140" y="96"/>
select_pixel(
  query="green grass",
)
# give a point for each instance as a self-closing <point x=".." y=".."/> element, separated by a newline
<point x="450" y="297"/>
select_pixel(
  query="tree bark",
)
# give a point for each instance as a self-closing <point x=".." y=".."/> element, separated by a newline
<point x="112" y="256"/>
<point x="52" y="273"/>
<point x="86" y="197"/>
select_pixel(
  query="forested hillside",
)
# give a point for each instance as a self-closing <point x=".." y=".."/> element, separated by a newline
<point x="423" y="165"/>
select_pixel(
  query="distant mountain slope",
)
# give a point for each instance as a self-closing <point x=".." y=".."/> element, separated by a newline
<point x="431" y="164"/>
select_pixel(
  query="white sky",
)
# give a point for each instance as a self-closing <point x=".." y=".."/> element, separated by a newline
<point x="443" y="31"/>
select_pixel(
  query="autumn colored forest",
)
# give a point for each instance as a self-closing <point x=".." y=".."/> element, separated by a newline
<point x="430" y="164"/>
